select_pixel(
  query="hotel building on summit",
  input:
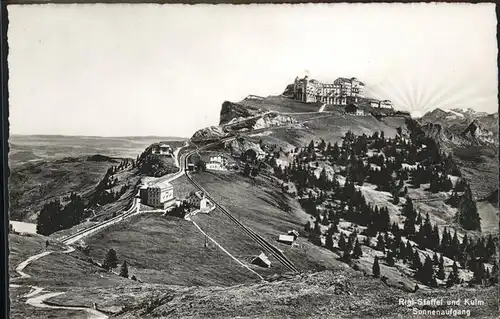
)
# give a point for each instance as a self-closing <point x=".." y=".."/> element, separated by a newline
<point x="342" y="91"/>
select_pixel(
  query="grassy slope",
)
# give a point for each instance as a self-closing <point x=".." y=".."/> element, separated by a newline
<point x="479" y="161"/>
<point x="262" y="208"/>
<point x="168" y="250"/>
<point x="23" y="246"/>
<point x="32" y="185"/>
<point x="55" y="272"/>
<point x="281" y="104"/>
<point x="331" y="128"/>
<point x="325" y="294"/>
<point x="182" y="187"/>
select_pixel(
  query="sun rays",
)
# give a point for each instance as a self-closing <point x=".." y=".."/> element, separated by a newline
<point x="417" y="94"/>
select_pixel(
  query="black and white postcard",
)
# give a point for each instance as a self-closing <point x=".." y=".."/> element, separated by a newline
<point x="253" y="161"/>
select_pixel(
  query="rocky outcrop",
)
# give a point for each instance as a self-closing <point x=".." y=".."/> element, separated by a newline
<point x="477" y="132"/>
<point x="231" y="111"/>
<point x="473" y="135"/>
<point x="241" y="145"/>
<point x="273" y="119"/>
<point x="207" y="134"/>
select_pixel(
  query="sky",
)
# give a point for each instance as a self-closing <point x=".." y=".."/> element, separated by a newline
<point x="165" y="70"/>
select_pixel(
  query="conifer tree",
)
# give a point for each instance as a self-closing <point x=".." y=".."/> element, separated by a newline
<point x="490" y="247"/>
<point x="409" y="251"/>
<point x="479" y="273"/>
<point x="307" y="226"/>
<point x="124" y="269"/>
<point x="376" y="268"/>
<point x="390" y="258"/>
<point x="329" y="241"/>
<point x="468" y="215"/>
<point x="380" y="243"/>
<point x="494" y="273"/>
<point x="440" y="273"/>
<point x="418" y="221"/>
<point x="451" y="280"/>
<point x="416" y="262"/>
<point x="110" y="261"/>
<point x="357" y="252"/>
<point x="342" y="243"/>
<point x="346" y="257"/>
<point x="427" y="273"/>
<point x="435" y="259"/>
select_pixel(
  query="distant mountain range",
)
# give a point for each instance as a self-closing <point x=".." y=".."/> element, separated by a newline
<point x="461" y="127"/>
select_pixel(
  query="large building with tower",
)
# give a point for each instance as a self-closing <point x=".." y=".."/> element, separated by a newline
<point x="343" y="91"/>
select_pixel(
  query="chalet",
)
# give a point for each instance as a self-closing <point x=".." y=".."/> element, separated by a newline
<point x="286" y="239"/>
<point x="165" y="149"/>
<point x="162" y="149"/>
<point x="262" y="261"/>
<point x="353" y="109"/>
<point x="216" y="163"/>
<point x="387" y="104"/>
<point x="206" y="205"/>
<point x="293" y="233"/>
<point x="372" y="102"/>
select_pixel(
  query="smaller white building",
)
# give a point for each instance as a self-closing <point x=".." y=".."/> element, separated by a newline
<point x="286" y="239"/>
<point x="162" y="149"/>
<point x="293" y="233"/>
<point x="206" y="205"/>
<point x="386" y="104"/>
<point x="217" y="163"/>
<point x="262" y="260"/>
<point x="360" y="112"/>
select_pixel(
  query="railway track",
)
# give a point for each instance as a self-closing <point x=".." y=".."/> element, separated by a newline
<point x="263" y="243"/>
<point x="70" y="239"/>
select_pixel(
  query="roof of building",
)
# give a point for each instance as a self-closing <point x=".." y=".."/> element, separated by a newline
<point x="165" y="145"/>
<point x="286" y="238"/>
<point x="293" y="231"/>
<point x="163" y="186"/>
<point x="264" y="258"/>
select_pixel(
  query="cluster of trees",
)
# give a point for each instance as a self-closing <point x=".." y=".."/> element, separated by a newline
<point x="54" y="216"/>
<point x="181" y="210"/>
<point x="111" y="262"/>
<point x="251" y="170"/>
<point x="431" y="268"/>
<point x="126" y="163"/>
<point x="351" y="247"/>
<point x="104" y="193"/>
<point x="346" y="202"/>
<point x="353" y="207"/>
<point x="467" y="215"/>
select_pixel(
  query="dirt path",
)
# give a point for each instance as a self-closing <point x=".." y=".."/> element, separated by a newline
<point x="24" y="264"/>
<point x="39" y="301"/>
